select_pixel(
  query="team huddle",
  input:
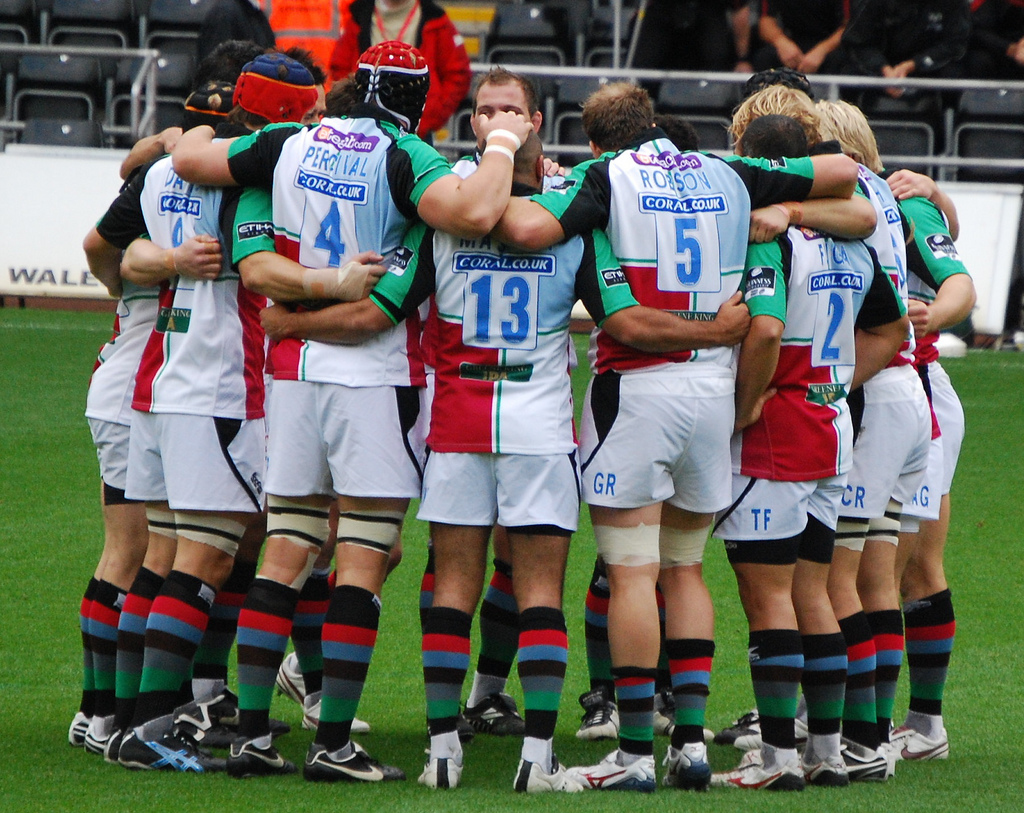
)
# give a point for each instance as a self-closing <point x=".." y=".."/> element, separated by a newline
<point x="318" y="323"/>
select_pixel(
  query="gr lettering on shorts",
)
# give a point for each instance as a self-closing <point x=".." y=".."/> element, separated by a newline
<point x="604" y="483"/>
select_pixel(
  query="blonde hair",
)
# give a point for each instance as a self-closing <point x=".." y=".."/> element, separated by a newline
<point x="781" y="101"/>
<point x="848" y="125"/>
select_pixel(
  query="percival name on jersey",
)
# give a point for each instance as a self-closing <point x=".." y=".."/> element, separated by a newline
<point x="345" y="186"/>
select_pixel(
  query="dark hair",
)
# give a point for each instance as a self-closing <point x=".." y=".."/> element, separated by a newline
<point x="616" y="115"/>
<point x="774" y="137"/>
<point x="225" y="62"/>
<point x="777" y="76"/>
<point x="254" y="121"/>
<point x="342" y="96"/>
<point x="679" y="131"/>
<point x="305" y="57"/>
<point x="500" y="76"/>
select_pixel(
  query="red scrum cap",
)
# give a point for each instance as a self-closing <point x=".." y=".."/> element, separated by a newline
<point x="276" y="87"/>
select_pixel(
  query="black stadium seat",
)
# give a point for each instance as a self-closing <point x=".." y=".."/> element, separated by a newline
<point x="57" y="86"/>
<point x="62" y="132"/>
<point x="96" y="23"/>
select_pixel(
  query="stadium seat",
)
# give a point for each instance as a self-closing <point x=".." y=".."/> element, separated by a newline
<point x="95" y="23"/>
<point x="62" y="132"/>
<point x="18" y="22"/>
<point x="46" y="81"/>
<point x="568" y="130"/>
<point x="712" y="132"/>
<point x="165" y="17"/>
<point x="687" y="95"/>
<point x="989" y="140"/>
<point x="535" y="33"/>
<point x="174" y="72"/>
<point x="913" y="123"/>
<point x="168" y="114"/>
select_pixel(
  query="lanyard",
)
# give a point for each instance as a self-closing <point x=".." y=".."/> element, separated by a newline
<point x="401" y="33"/>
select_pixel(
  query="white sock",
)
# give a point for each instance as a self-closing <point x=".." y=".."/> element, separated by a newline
<point x="102" y="727"/>
<point x="625" y="759"/>
<point x="204" y="689"/>
<point x="928" y="724"/>
<point x="820" y="747"/>
<point x="446" y="746"/>
<point x="484" y="686"/>
<point x="538" y="751"/>
<point x="772" y="757"/>
<point x="342" y="753"/>
<point x="263" y="742"/>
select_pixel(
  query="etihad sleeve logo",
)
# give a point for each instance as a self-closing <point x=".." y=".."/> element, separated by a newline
<point x="258" y="228"/>
<point x="942" y="246"/>
<point x="613" y="276"/>
<point x="181" y="205"/>
<point x="760" y="281"/>
<point x="351" y="142"/>
<point x="343" y="190"/>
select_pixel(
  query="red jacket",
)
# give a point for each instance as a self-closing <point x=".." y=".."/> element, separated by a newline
<point x="438" y="41"/>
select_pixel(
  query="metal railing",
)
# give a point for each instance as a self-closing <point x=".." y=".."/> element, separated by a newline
<point x="824" y="86"/>
<point x="142" y="92"/>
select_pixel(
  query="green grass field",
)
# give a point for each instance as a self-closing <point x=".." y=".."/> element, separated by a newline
<point x="50" y="538"/>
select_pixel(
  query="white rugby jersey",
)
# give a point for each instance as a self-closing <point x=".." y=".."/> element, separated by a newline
<point x="344" y="186"/>
<point x="113" y="377"/>
<point x="888" y="244"/>
<point x="502" y="331"/>
<point x="205" y="354"/>
<point x="817" y="286"/>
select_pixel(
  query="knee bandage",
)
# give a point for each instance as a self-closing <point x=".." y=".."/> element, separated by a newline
<point x="682" y="548"/>
<point x="161" y="522"/>
<point x="209" y="529"/>
<point x="630" y="547"/>
<point x="850" y="533"/>
<point x="375" y="530"/>
<point x="887" y="527"/>
<point x="304" y="526"/>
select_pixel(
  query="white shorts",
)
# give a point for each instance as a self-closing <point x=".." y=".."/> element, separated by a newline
<point x="197" y="463"/>
<point x="356" y="441"/>
<point x="651" y="438"/>
<point x="778" y="509"/>
<point x="513" y="490"/>
<point x="944" y="451"/>
<point x="111" y="442"/>
<point x="891" y="451"/>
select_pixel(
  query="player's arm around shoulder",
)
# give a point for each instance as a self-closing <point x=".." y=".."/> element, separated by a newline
<point x="764" y="290"/>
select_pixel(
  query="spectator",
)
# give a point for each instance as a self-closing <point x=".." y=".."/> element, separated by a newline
<point x="901" y="38"/>
<point x="234" y="20"/>
<point x="422" y="24"/>
<point x="801" y="34"/>
<point x="714" y="41"/>
<point x="997" y="40"/>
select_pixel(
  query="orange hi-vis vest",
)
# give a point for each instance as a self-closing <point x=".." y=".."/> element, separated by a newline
<point x="312" y="24"/>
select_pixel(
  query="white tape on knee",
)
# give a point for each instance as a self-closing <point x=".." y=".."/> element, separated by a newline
<point x="209" y="529"/>
<point x="631" y="547"/>
<point x="850" y="533"/>
<point x="682" y="548"/>
<point x="374" y="530"/>
<point x="161" y="523"/>
<point x="887" y="527"/>
<point x="304" y="526"/>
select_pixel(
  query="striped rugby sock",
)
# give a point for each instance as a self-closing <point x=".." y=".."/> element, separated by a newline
<point x="930" y="628"/>
<point x="445" y="663"/>
<point x="350" y="633"/>
<point x="264" y="624"/>
<point x="634" y="688"/>
<point x="690" y="663"/>
<point x="776" y="665"/>
<point x="887" y="631"/>
<point x="131" y="643"/>
<point x="859" y="709"/>
<point x="543" y="654"/>
<point x="307" y="628"/>
<point x="599" y="655"/>
<point x="175" y="627"/>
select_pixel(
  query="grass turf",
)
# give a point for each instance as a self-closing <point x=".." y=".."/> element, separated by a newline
<point x="50" y="538"/>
